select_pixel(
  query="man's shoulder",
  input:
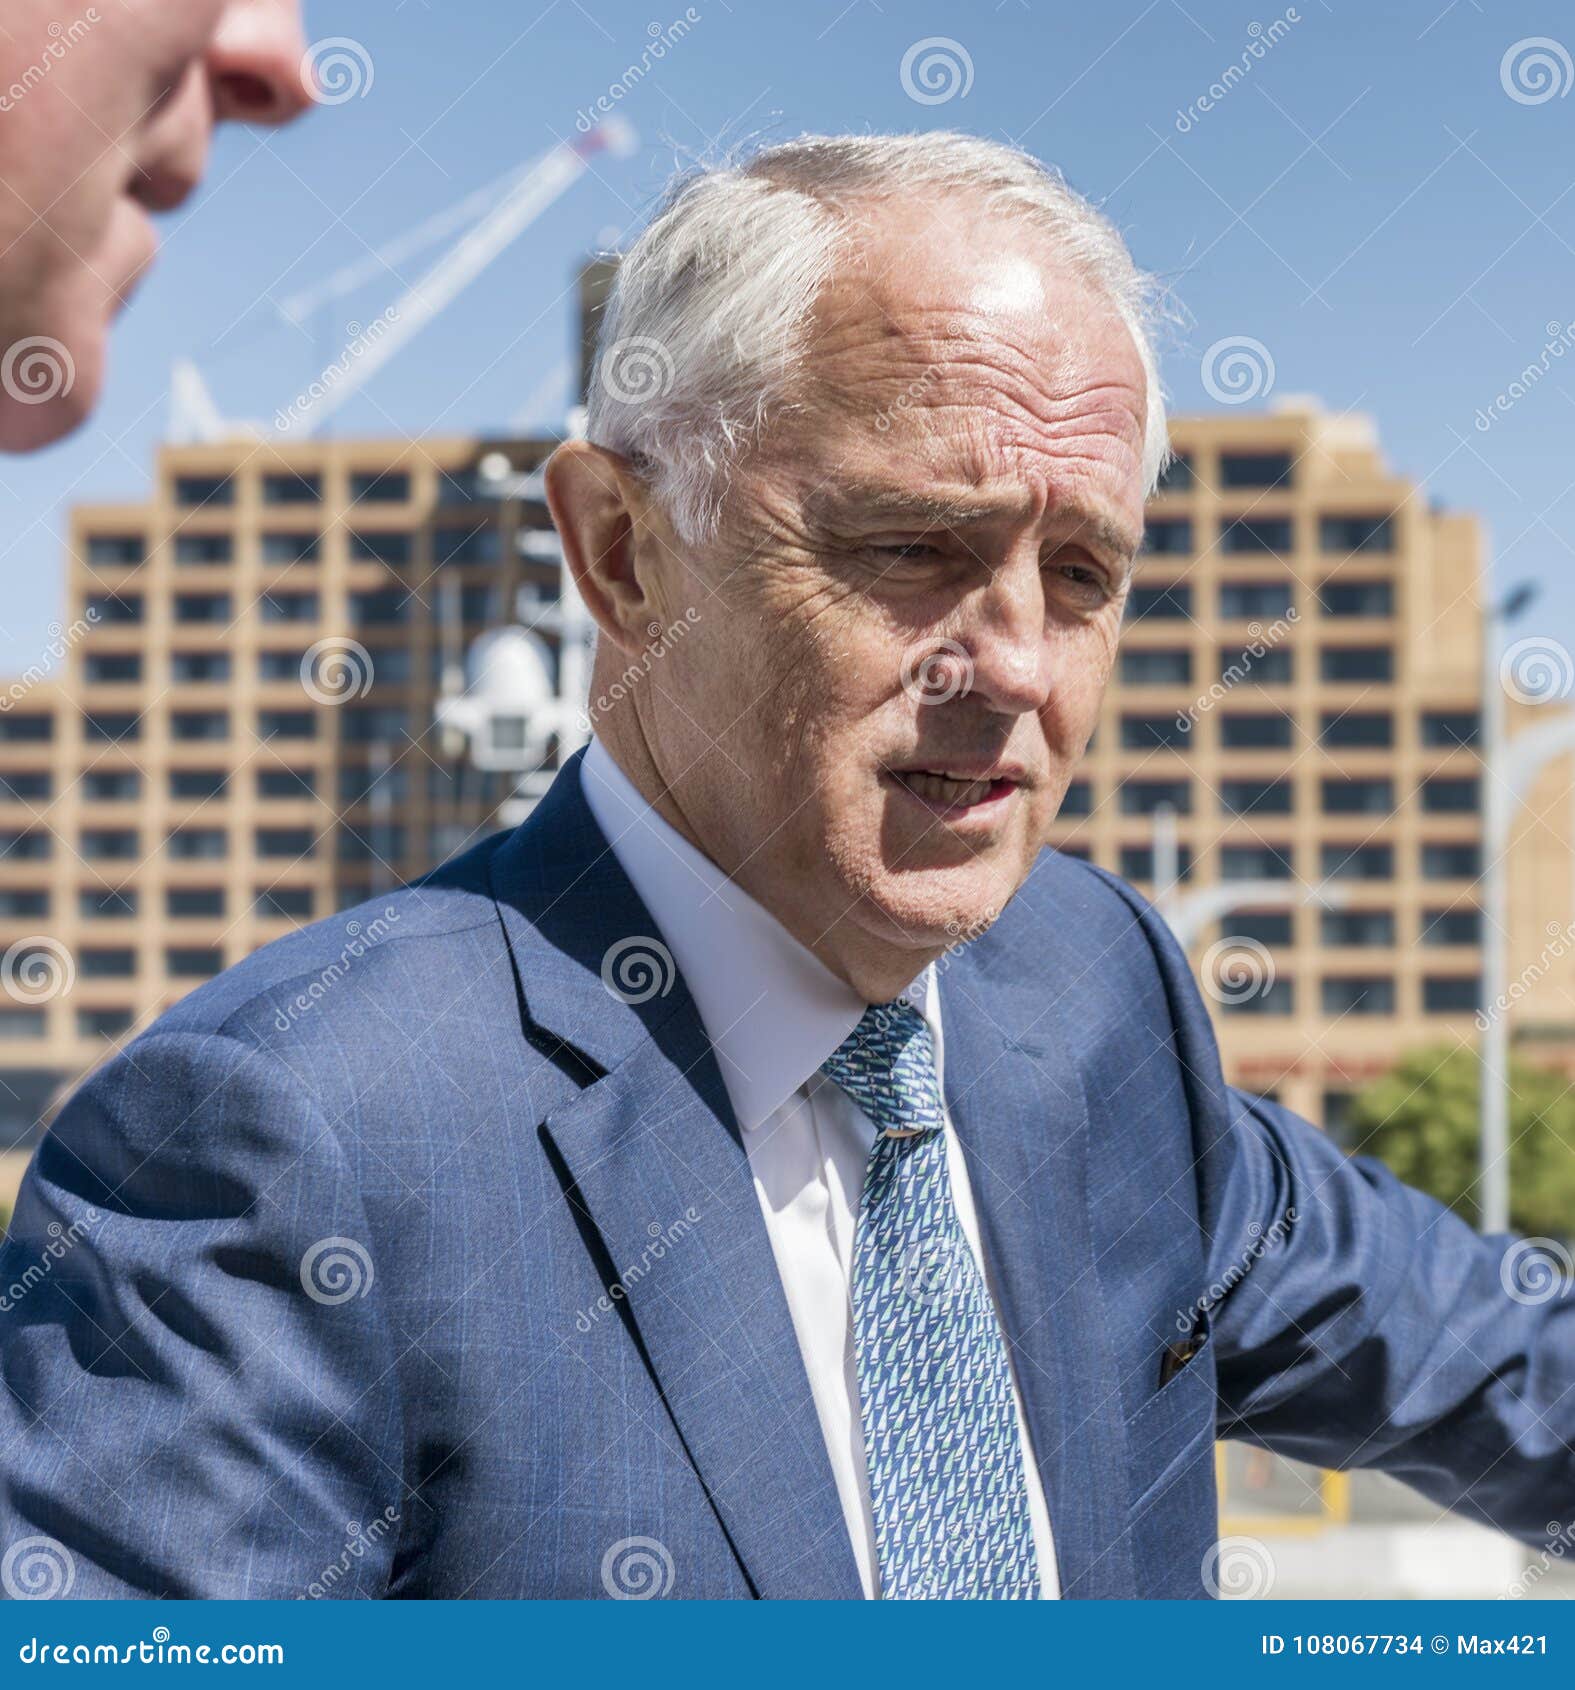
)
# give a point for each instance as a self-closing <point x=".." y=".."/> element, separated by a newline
<point x="1068" y="902"/>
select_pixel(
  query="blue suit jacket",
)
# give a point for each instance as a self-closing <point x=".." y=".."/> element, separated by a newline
<point x="406" y="1259"/>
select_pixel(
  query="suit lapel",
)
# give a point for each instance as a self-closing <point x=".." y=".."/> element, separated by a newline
<point x="652" y="1149"/>
<point x="1016" y="1101"/>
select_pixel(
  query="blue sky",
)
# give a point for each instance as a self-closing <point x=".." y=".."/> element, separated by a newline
<point x="1382" y="201"/>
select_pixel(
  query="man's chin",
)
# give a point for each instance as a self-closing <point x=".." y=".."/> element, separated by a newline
<point x="48" y="388"/>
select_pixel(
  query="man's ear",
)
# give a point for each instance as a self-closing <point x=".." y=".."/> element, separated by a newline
<point x="603" y="513"/>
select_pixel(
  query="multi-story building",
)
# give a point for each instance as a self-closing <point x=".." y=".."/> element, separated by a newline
<point x="233" y="734"/>
<point x="1299" y="681"/>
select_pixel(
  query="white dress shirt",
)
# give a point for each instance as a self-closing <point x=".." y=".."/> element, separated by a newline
<point x="773" y="1013"/>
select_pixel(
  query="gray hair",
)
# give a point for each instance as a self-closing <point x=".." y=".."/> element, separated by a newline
<point x="709" y="318"/>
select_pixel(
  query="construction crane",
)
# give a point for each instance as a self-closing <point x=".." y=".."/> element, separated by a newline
<point x="496" y="214"/>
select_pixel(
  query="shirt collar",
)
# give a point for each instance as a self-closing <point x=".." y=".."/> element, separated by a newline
<point x="771" y="1008"/>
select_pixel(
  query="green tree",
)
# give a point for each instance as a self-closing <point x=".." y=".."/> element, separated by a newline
<point x="1423" y="1118"/>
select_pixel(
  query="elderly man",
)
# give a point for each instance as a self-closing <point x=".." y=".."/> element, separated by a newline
<point x="768" y="1171"/>
<point x="106" y="112"/>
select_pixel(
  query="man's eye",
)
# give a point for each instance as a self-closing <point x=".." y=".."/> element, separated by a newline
<point x="920" y="550"/>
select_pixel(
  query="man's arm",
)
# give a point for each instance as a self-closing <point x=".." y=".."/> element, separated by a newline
<point x="197" y="1394"/>
<point x="1373" y="1328"/>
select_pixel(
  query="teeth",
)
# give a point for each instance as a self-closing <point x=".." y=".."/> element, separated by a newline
<point x="942" y="789"/>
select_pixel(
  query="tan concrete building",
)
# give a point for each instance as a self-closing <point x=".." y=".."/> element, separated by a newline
<point x="232" y="734"/>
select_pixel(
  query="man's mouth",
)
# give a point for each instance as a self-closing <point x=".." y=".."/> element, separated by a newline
<point x="952" y="794"/>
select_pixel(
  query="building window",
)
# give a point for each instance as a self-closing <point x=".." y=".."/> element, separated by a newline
<point x="1079" y="799"/>
<point x="1451" y="994"/>
<point x="1177" y="476"/>
<point x="1338" y="1117"/>
<point x="1362" y="928"/>
<point x="26" y="730"/>
<point x="1255" y="469"/>
<point x="194" y="490"/>
<point x="198" y="783"/>
<point x="22" y="1024"/>
<point x="1144" y="797"/>
<point x="1374" y="797"/>
<point x="24" y="785"/>
<point x="104" y="1023"/>
<point x="1357" y="598"/>
<point x="383" y="605"/>
<point x="1270" y="667"/>
<point x="1256" y="797"/>
<point x="193" y="843"/>
<point x="199" y="724"/>
<point x="286" y="724"/>
<point x="1137" y="862"/>
<point x="290" y="488"/>
<point x="379" y="487"/>
<point x="117" y="609"/>
<point x="357" y="782"/>
<point x="1169" y="604"/>
<point x="382" y="844"/>
<point x="1255" y="862"/>
<point x="1356" y="729"/>
<point x="110" y="668"/>
<point x="112" y="785"/>
<point x="390" y="664"/>
<point x="281" y="665"/>
<point x="288" y="607"/>
<point x="1167" y="536"/>
<point x="1240" y="599"/>
<point x="1448" y="728"/>
<point x="1274" y="929"/>
<point x="1358" y="994"/>
<point x="110" y="843"/>
<point x="197" y="666"/>
<point x="22" y="845"/>
<point x="1451" y="859"/>
<point x="203" y="548"/>
<point x="1270" y="731"/>
<point x="1460" y="926"/>
<point x="1155" y="667"/>
<point x="202" y="607"/>
<point x="23" y="902"/>
<point x="115" y="550"/>
<point x="1448" y="795"/>
<point x="1356" y="663"/>
<point x="112" y="725"/>
<point x="1356" y="534"/>
<point x="95" y="904"/>
<point x="1277" y="998"/>
<point x="477" y="602"/>
<point x="290" y="842"/>
<point x="293" y="903"/>
<point x="98" y="962"/>
<point x="1358" y="862"/>
<point x="1147" y="733"/>
<point x="286" y="783"/>
<point x="188" y="962"/>
<point x="1249" y="534"/>
<point x="289" y="548"/>
<point x="374" y="547"/>
<point x="480" y="544"/>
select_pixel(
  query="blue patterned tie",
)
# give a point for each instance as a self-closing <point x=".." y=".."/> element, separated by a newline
<point x="945" y="1461"/>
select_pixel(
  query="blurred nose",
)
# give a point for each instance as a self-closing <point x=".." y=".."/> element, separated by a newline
<point x="255" y="63"/>
<point x="1007" y="641"/>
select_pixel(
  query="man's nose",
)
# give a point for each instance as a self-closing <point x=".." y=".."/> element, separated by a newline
<point x="1008" y="643"/>
<point x="255" y="63"/>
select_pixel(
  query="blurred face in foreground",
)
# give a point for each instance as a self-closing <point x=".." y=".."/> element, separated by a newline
<point x="106" y="112"/>
<point x="899" y="640"/>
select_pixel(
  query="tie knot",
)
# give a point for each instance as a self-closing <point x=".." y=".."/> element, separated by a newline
<point x="887" y="1066"/>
